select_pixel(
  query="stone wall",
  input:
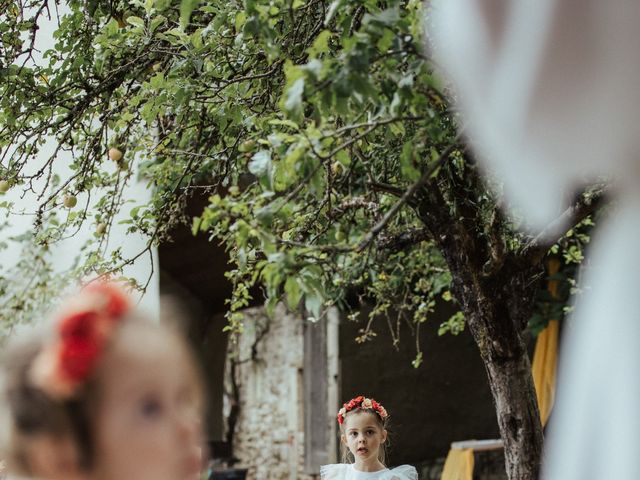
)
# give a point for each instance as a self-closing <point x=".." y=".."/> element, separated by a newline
<point x="265" y="368"/>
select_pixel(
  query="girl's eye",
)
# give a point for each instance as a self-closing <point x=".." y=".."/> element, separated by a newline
<point x="354" y="434"/>
<point x="151" y="407"/>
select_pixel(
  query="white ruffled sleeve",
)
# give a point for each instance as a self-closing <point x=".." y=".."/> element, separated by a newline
<point x="403" y="472"/>
<point x="335" y="471"/>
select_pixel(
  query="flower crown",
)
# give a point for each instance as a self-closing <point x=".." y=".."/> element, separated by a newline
<point x="361" y="402"/>
<point x="83" y="329"/>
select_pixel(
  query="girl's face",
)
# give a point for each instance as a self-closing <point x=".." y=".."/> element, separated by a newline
<point x="364" y="436"/>
<point x="147" y="409"/>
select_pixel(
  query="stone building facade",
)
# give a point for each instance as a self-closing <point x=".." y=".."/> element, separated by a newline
<point x="264" y="369"/>
<point x="281" y="387"/>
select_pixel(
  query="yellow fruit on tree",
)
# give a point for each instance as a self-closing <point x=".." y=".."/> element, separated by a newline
<point x="4" y="186"/>
<point x="115" y="154"/>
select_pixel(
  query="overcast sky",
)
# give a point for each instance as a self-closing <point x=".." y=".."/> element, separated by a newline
<point x="65" y="252"/>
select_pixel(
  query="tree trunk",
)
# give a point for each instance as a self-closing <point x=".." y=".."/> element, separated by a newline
<point x="518" y="417"/>
<point x="497" y="313"/>
<point x="496" y="289"/>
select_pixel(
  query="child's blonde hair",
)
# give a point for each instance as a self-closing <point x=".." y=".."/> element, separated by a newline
<point x="358" y="406"/>
<point x="55" y="406"/>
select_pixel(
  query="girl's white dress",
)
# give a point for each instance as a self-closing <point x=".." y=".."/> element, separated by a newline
<point x="347" y="471"/>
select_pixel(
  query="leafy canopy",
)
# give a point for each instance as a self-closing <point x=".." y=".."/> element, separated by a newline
<point x="306" y="120"/>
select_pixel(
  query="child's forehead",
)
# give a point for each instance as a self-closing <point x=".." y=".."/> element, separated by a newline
<point x="146" y="352"/>
<point x="140" y="338"/>
<point x="361" y="419"/>
<point x="137" y="331"/>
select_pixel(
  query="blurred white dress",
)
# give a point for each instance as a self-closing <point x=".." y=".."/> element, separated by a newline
<point x="347" y="471"/>
<point x="549" y="95"/>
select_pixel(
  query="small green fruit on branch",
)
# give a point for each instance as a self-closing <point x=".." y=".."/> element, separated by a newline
<point x="247" y="146"/>
<point x="4" y="186"/>
<point x="69" y="201"/>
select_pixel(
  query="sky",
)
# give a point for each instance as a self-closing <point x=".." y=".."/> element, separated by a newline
<point x="64" y="253"/>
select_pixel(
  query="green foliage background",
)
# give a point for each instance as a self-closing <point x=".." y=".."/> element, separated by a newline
<point x="307" y="120"/>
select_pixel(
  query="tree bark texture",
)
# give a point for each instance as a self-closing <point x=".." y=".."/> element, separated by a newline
<point x="497" y="313"/>
<point x="496" y="290"/>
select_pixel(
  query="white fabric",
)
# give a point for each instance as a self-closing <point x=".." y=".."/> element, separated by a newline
<point x="595" y="427"/>
<point x="347" y="471"/>
<point x="549" y="90"/>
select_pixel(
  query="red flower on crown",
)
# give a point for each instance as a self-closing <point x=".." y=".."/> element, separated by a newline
<point x="83" y="330"/>
<point x="361" y="403"/>
<point x="80" y="346"/>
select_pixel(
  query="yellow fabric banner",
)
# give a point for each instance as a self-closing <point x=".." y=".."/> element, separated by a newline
<point x="544" y="369"/>
<point x="545" y="356"/>
<point x="458" y="465"/>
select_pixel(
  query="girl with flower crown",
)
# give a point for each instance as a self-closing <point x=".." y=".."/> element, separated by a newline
<point x="104" y="394"/>
<point x="363" y="438"/>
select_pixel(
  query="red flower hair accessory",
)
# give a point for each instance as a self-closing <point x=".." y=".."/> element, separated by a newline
<point x="82" y="331"/>
<point x="361" y="403"/>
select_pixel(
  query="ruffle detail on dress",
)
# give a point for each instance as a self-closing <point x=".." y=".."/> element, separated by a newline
<point x="335" y="471"/>
<point x="403" y="472"/>
<point x="345" y="471"/>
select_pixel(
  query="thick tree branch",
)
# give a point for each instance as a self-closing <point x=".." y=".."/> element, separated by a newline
<point x="403" y="240"/>
<point x="587" y="204"/>
<point x="386" y="188"/>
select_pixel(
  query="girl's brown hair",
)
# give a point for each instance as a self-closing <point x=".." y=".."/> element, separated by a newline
<point x="29" y="413"/>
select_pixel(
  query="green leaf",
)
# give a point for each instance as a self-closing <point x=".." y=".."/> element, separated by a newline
<point x="196" y="38"/>
<point x="195" y="226"/>
<point x="260" y="164"/>
<point x="241" y="18"/>
<point x="320" y="44"/>
<point x="417" y="361"/>
<point x="386" y="17"/>
<point x="313" y="304"/>
<point x="293" y="98"/>
<point x="455" y="324"/>
<point x="186" y="9"/>
<point x="284" y="122"/>
<point x="385" y="42"/>
<point x="135" y="21"/>
<point x="293" y="292"/>
<point x="157" y="81"/>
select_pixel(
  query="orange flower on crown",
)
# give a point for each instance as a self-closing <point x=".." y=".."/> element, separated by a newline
<point x="82" y="330"/>
<point x="361" y="403"/>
